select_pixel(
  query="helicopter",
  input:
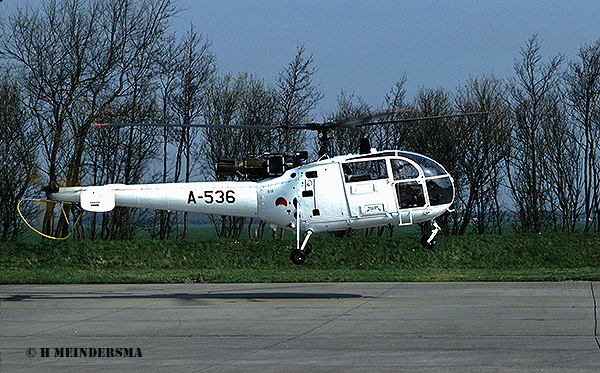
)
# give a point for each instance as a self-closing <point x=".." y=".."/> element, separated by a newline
<point x="369" y="189"/>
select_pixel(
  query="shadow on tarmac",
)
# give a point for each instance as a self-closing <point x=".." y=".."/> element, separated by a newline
<point x="187" y="296"/>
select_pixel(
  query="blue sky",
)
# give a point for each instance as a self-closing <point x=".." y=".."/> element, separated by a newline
<point x="364" y="47"/>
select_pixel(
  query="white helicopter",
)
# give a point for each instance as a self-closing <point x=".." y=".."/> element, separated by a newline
<point x="374" y="188"/>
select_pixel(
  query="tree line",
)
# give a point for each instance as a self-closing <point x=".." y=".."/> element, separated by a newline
<point x="532" y="162"/>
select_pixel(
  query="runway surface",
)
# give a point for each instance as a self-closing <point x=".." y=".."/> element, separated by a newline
<point x="331" y="327"/>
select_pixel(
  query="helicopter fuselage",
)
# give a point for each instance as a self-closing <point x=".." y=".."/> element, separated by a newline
<point x="333" y="194"/>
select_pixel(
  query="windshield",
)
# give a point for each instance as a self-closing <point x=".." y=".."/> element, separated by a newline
<point x="430" y="167"/>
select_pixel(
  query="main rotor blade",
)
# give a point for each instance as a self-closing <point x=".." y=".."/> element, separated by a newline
<point x="416" y="119"/>
<point x="201" y="125"/>
<point x="357" y="122"/>
<point x="368" y="121"/>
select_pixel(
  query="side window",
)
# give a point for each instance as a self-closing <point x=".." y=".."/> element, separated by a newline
<point x="363" y="171"/>
<point x="404" y="170"/>
<point x="410" y="194"/>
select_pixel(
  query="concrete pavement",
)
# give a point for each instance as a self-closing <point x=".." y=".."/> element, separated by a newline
<point x="324" y="327"/>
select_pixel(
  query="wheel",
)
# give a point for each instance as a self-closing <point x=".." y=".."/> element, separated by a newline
<point x="298" y="256"/>
<point x="425" y="244"/>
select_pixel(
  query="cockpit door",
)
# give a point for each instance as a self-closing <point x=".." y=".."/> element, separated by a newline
<point x="410" y="191"/>
<point x="410" y="194"/>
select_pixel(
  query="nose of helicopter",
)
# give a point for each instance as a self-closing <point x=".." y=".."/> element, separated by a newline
<point x="440" y="185"/>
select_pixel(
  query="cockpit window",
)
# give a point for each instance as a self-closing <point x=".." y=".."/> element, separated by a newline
<point x="430" y="167"/>
<point x="440" y="191"/>
<point x="404" y="170"/>
<point x="362" y="171"/>
<point x="410" y="194"/>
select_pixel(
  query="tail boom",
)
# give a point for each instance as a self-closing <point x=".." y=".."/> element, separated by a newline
<point x="221" y="198"/>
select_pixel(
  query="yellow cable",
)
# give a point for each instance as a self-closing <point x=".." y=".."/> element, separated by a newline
<point x="63" y="211"/>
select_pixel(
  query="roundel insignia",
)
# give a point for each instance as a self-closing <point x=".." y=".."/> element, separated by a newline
<point x="281" y="201"/>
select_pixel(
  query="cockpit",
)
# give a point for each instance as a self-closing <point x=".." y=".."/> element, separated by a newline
<point x="419" y="181"/>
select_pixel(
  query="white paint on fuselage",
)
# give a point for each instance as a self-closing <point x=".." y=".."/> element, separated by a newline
<point x="315" y="195"/>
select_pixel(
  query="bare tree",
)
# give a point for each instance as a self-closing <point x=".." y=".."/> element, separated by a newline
<point x="532" y="96"/>
<point x="392" y="136"/>
<point x="561" y="167"/>
<point x="75" y="56"/>
<point x="347" y="140"/>
<point x="484" y="143"/>
<point x="18" y="168"/>
<point x="167" y="60"/>
<point x="295" y="97"/>
<point x="435" y="138"/>
<point x="583" y="92"/>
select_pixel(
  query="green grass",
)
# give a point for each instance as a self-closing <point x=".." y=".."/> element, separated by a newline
<point x="547" y="257"/>
<point x="104" y="276"/>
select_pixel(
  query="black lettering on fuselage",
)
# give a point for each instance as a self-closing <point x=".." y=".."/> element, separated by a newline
<point x="191" y="198"/>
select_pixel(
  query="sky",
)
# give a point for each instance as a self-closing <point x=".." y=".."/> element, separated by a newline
<point x="365" y="47"/>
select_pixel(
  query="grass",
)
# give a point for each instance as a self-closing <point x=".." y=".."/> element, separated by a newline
<point x="547" y="257"/>
<point x="79" y="276"/>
